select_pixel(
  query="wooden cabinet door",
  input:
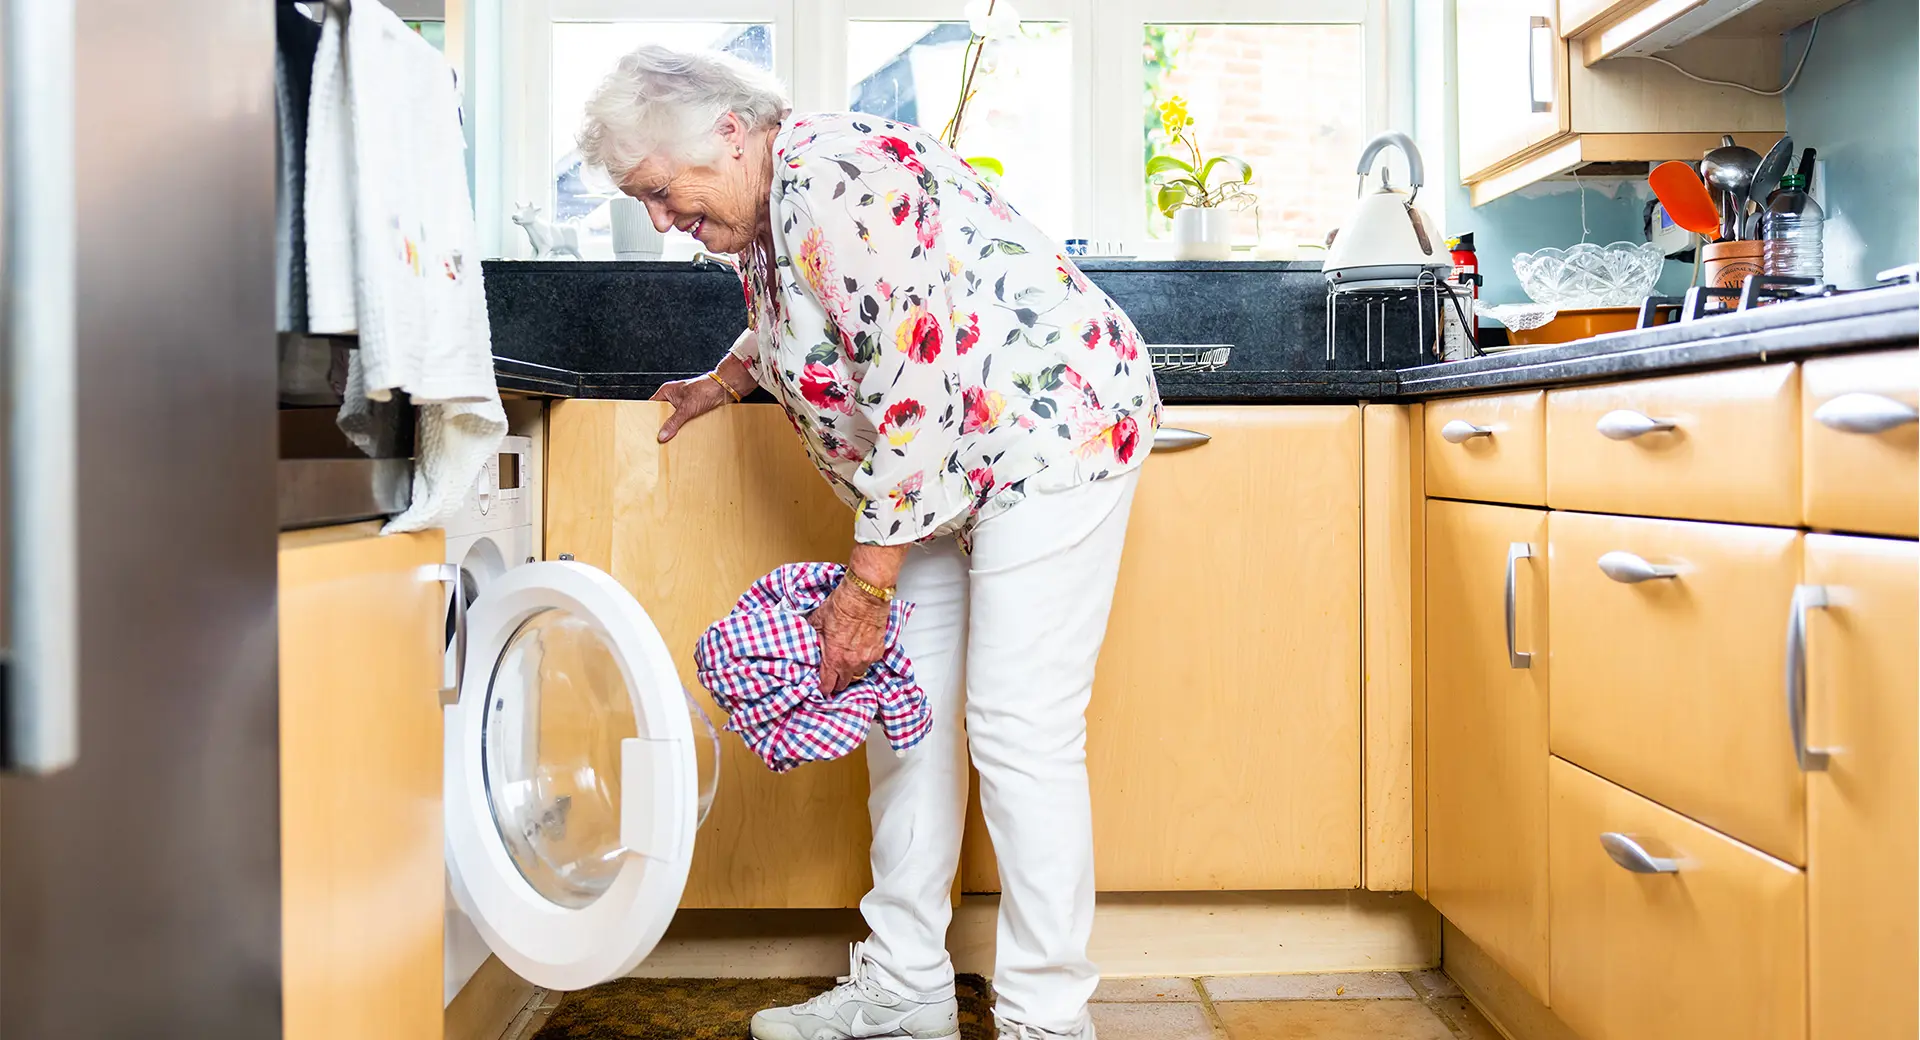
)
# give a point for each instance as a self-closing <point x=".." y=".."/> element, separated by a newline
<point x="1859" y="443"/>
<point x="362" y="879"/>
<point x="1861" y="809"/>
<point x="1667" y="930"/>
<point x="1513" y="79"/>
<point x="1223" y="742"/>
<point x="1487" y="731"/>
<point x="686" y="527"/>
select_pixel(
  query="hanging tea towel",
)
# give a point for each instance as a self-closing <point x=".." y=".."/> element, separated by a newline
<point x="762" y="664"/>
<point x="392" y="252"/>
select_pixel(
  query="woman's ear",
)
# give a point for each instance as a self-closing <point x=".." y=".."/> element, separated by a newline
<point x="732" y="131"/>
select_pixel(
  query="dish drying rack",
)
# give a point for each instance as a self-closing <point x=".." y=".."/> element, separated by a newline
<point x="1428" y="296"/>
<point x="1189" y="357"/>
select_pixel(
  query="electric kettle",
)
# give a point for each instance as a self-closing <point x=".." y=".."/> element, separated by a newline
<point x="1387" y="243"/>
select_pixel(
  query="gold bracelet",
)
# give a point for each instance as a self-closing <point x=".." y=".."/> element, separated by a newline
<point x="715" y="376"/>
<point x="883" y="595"/>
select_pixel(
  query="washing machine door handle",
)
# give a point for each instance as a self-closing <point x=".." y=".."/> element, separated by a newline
<point x="449" y="575"/>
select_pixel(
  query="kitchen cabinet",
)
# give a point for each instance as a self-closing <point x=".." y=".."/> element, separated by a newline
<point x="1486" y="729"/>
<point x="686" y="527"/>
<point x="1712" y="446"/>
<point x="362" y="875"/>
<point x="1604" y="28"/>
<point x="1488" y="449"/>
<point x="1861" y="673"/>
<point x="1223" y="741"/>
<point x="1666" y="930"/>
<point x="1667" y="660"/>
<point x="1530" y="107"/>
<point x="1861" y="442"/>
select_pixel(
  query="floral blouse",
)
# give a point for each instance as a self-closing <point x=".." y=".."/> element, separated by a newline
<point x="932" y="347"/>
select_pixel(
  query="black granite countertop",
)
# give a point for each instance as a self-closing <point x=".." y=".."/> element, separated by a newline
<point x="597" y="329"/>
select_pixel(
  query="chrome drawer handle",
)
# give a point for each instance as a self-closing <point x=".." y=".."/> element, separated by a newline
<point x="1516" y="551"/>
<point x="1865" y="413"/>
<point x="1168" y="438"/>
<point x="1804" y="598"/>
<point x="1459" y="431"/>
<point x="1624" y="424"/>
<point x="1629" y="854"/>
<point x="1628" y="569"/>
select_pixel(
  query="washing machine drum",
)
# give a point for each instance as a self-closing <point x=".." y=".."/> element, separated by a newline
<point x="578" y="771"/>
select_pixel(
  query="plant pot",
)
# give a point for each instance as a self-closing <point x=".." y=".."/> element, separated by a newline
<point x="1202" y="233"/>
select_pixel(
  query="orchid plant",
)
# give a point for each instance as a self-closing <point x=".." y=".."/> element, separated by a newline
<point x="988" y="20"/>
<point x="1193" y="183"/>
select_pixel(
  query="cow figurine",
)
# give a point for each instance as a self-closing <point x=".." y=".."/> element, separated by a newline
<point x="551" y="241"/>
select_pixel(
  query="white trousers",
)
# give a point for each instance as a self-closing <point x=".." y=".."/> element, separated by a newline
<point x="1004" y="643"/>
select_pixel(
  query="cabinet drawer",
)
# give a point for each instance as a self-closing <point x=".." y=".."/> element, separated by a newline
<point x="1672" y="685"/>
<point x="1488" y="449"/>
<point x="1858" y="436"/>
<point x="1716" y="446"/>
<point x="1714" y="948"/>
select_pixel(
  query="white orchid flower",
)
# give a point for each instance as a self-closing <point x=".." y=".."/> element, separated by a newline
<point x="1002" y="23"/>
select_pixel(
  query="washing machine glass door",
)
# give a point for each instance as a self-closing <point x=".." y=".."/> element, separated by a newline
<point x="573" y="786"/>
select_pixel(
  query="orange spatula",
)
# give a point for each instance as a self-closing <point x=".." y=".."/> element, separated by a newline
<point x="1685" y="197"/>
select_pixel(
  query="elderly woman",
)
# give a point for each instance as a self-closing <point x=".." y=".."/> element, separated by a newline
<point x="984" y="410"/>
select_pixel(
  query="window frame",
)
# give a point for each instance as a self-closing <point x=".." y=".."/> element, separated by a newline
<point x="1109" y="187"/>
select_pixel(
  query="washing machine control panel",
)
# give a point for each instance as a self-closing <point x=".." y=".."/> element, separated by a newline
<point x="502" y="496"/>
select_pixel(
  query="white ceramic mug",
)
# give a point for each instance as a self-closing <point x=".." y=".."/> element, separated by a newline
<point x="634" y="236"/>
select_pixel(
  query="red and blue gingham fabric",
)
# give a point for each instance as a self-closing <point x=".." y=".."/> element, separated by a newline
<point x="762" y="664"/>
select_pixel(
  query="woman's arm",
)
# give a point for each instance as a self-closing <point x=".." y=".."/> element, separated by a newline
<point x="853" y="622"/>
<point x="729" y="381"/>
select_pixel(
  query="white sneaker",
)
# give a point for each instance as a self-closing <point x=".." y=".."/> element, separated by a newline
<point x="1021" y="1031"/>
<point x="860" y="1009"/>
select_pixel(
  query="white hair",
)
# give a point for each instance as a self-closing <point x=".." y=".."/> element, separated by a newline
<point x="666" y="102"/>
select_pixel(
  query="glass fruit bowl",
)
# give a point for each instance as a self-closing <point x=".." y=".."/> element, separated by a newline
<point x="1617" y="275"/>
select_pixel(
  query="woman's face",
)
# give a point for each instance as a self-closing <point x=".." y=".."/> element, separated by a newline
<point x="717" y="203"/>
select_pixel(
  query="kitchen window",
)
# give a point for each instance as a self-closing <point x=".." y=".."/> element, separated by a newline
<point x="1067" y="106"/>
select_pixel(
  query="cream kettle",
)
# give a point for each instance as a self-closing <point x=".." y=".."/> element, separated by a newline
<point x="1387" y="242"/>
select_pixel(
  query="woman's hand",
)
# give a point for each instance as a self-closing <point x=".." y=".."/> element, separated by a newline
<point x="690" y="398"/>
<point x="853" y="635"/>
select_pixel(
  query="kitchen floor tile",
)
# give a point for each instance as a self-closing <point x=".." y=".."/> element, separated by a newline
<point x="1355" y="985"/>
<point x="1152" y="991"/>
<point x="1433" y="983"/>
<point x="1152" y="1022"/>
<point x="1331" y="1020"/>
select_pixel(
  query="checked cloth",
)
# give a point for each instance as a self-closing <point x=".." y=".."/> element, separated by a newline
<point x="762" y="664"/>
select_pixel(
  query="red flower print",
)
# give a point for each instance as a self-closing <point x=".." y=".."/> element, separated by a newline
<point x="885" y="289"/>
<point x="1090" y="335"/>
<point x="982" y="408"/>
<point x="902" y="421"/>
<point x="1086" y="389"/>
<point x="966" y="332"/>
<point x="926" y="221"/>
<point x="981" y="480"/>
<point x="900" y="207"/>
<point x="919" y="335"/>
<point x="897" y="150"/>
<point x="823" y="391"/>
<point x="816" y="264"/>
<point x="1123" y="345"/>
<point x="1126" y="440"/>
<point x="906" y="494"/>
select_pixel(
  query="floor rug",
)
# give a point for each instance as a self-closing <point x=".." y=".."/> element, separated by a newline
<point x="711" y="1009"/>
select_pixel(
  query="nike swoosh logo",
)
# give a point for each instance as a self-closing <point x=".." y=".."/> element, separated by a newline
<point x="867" y="1027"/>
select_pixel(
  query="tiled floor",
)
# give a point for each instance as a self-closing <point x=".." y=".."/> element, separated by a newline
<point x="1413" y="1005"/>
<point x="1416" y="1005"/>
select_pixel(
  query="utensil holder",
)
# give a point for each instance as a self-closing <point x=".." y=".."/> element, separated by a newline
<point x="1726" y="265"/>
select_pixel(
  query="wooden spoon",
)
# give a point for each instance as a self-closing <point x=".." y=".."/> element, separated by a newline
<point x="1685" y="197"/>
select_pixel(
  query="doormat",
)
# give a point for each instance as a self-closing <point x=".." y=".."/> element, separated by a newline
<point x="712" y="1009"/>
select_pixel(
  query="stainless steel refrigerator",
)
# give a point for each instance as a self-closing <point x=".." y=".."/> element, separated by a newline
<point x="139" y="873"/>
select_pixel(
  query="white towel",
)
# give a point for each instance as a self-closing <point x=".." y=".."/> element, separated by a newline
<point x="392" y="252"/>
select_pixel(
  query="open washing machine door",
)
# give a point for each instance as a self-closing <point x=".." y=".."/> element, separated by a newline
<point x="576" y="776"/>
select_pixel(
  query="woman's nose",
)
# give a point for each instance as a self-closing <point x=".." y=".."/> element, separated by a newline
<point x="662" y="216"/>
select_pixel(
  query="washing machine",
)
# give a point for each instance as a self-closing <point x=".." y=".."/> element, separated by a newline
<point x="578" y="768"/>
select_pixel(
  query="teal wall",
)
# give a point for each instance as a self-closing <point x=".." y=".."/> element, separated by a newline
<point x="1858" y="103"/>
